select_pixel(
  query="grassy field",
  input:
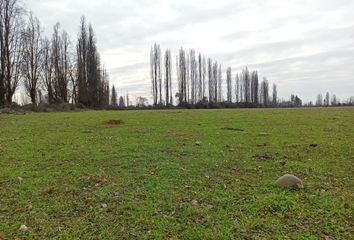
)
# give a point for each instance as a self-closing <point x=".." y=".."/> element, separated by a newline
<point x="177" y="174"/>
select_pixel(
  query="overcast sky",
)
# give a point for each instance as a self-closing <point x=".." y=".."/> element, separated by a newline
<point x="304" y="46"/>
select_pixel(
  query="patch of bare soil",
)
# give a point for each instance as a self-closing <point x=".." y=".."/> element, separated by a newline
<point x="175" y="133"/>
<point x="233" y="129"/>
<point x="263" y="157"/>
<point x="113" y="122"/>
<point x="263" y="134"/>
<point x="177" y="154"/>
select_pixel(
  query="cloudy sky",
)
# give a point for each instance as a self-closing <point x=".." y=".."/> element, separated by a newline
<point x="304" y="46"/>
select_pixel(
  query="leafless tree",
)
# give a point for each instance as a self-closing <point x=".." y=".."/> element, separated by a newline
<point x="229" y="85"/>
<point x="47" y="70"/>
<point x="141" y="101"/>
<point x="319" y="101"/>
<point x="327" y="99"/>
<point x="32" y="57"/>
<point x="264" y="92"/>
<point x="237" y="88"/>
<point x="182" y="77"/>
<point x="246" y="84"/>
<point x="193" y="76"/>
<point x="201" y="78"/>
<point x="254" y="87"/>
<point x="114" y="97"/>
<point x="155" y="70"/>
<point x="215" y="82"/>
<point x="168" y="77"/>
<point x="61" y="64"/>
<point x="219" y="84"/>
<point x="11" y="25"/>
<point x="275" y="95"/>
<point x="121" y="102"/>
<point x="82" y="56"/>
<point x="211" y="81"/>
<point x="334" y="100"/>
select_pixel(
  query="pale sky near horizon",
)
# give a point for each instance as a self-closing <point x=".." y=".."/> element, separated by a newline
<point x="305" y="47"/>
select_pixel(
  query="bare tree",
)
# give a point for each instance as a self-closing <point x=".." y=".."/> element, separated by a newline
<point x="327" y="99"/>
<point x="264" y="92"/>
<point x="11" y="25"/>
<point x="182" y="77"/>
<point x="201" y="78"/>
<point x="219" y="84"/>
<point x="229" y="85"/>
<point x="215" y="82"/>
<point x="237" y="88"/>
<point x="319" y="101"/>
<point x="168" y="77"/>
<point x="211" y="81"/>
<point x="246" y="82"/>
<point x="275" y="95"/>
<point x="334" y="100"/>
<point x="254" y="87"/>
<point x="47" y="70"/>
<point x="114" y="97"/>
<point x="155" y="70"/>
<point x="82" y="56"/>
<point x="32" y="57"/>
<point x="61" y="64"/>
<point x="193" y="76"/>
<point x="121" y="102"/>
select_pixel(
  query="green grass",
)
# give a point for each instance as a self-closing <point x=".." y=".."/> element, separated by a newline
<point x="159" y="184"/>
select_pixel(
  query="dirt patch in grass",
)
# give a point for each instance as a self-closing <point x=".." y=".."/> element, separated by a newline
<point x="263" y="157"/>
<point x="176" y="133"/>
<point x="263" y="134"/>
<point x="177" y="154"/>
<point x="113" y="122"/>
<point x="233" y="129"/>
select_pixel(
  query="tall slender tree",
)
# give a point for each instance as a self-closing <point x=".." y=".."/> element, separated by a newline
<point x="82" y="56"/>
<point x="275" y="95"/>
<point x="47" y="70"/>
<point x="32" y="57"/>
<point x="155" y="70"/>
<point x="182" y="77"/>
<point x="11" y="28"/>
<point x="114" y="97"/>
<point x="168" y="77"/>
<point x="229" y="85"/>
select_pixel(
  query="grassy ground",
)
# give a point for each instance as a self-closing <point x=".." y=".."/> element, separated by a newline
<point x="177" y="174"/>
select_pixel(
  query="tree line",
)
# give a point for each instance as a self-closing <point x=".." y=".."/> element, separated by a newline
<point x="53" y="70"/>
<point x="201" y="83"/>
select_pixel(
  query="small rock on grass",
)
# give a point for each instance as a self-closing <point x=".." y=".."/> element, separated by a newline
<point x="290" y="181"/>
<point x="23" y="228"/>
<point x="198" y="143"/>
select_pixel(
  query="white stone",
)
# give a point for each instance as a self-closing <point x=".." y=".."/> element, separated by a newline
<point x="23" y="228"/>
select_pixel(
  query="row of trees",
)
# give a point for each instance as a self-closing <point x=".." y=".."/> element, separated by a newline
<point x="200" y="81"/>
<point x="51" y="69"/>
<point x="328" y="100"/>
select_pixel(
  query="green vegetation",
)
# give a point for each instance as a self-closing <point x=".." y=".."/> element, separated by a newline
<point x="177" y="174"/>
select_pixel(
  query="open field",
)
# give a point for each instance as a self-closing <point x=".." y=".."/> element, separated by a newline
<point x="198" y="174"/>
